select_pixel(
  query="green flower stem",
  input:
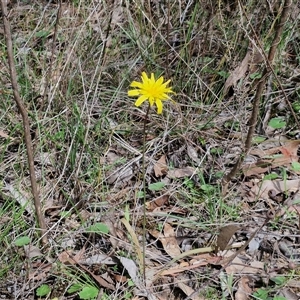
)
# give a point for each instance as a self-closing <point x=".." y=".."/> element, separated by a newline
<point x="144" y="191"/>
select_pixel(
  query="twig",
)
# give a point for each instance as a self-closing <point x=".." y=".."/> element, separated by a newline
<point x="26" y="125"/>
<point x="258" y="94"/>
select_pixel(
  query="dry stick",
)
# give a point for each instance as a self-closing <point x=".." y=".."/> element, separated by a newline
<point x="23" y="111"/>
<point x="258" y="94"/>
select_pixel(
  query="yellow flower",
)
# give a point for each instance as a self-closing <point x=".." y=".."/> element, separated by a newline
<point x="155" y="91"/>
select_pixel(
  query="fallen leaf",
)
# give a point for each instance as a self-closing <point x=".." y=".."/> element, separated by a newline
<point x="168" y="240"/>
<point x="41" y="272"/>
<point x="225" y="235"/>
<point x="3" y="134"/>
<point x="189" y="291"/>
<point x="193" y="155"/>
<point x="262" y="190"/>
<point x="32" y="251"/>
<point x="131" y="268"/>
<point x="179" y="173"/>
<point x="157" y="203"/>
<point x="274" y="157"/>
<point x="67" y="257"/>
<point x="160" y="167"/>
<point x="244" y="291"/>
<point x="238" y="73"/>
<point x="237" y="266"/>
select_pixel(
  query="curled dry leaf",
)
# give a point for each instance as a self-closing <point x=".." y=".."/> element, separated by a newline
<point x="238" y="73"/>
<point x="157" y="203"/>
<point x="179" y="173"/>
<point x="168" y="240"/>
<point x="225" y="235"/>
<point x="193" y="155"/>
<point x="244" y="291"/>
<point x="263" y="190"/>
<point x="160" y="167"/>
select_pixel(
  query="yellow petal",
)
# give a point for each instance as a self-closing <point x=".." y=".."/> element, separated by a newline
<point x="140" y="100"/>
<point x="144" y="77"/>
<point x="159" y="106"/>
<point x="151" y="101"/>
<point x="136" y="84"/>
<point x="152" y="77"/>
<point x="166" y="83"/>
<point x="133" y="93"/>
<point x="160" y="80"/>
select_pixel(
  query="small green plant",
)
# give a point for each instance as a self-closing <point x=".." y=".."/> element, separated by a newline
<point x="22" y="241"/>
<point x="266" y="293"/>
<point x="277" y="123"/>
<point x="86" y="291"/>
<point x="43" y="290"/>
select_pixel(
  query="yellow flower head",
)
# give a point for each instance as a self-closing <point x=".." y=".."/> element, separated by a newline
<point x="155" y="91"/>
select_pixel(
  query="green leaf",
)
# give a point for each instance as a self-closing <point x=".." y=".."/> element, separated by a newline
<point x="279" y="298"/>
<point x="258" y="139"/>
<point x="88" y="292"/>
<point x="277" y="123"/>
<point x="296" y="106"/>
<point x="157" y="186"/>
<point x="65" y="214"/>
<point x="223" y="74"/>
<point x="279" y="280"/>
<point x="42" y="33"/>
<point x="295" y="166"/>
<point x="216" y="151"/>
<point x="255" y="75"/>
<point x="270" y="176"/>
<point x="140" y="194"/>
<point x="98" y="228"/>
<point x="43" y="290"/>
<point x="74" y="288"/>
<point x="21" y="241"/>
<point x="261" y="294"/>
<point x="207" y="188"/>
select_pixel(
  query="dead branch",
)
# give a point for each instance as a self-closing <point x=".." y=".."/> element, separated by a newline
<point x="26" y="125"/>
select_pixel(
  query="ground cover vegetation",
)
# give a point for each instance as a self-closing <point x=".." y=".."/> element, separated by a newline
<point x="194" y="197"/>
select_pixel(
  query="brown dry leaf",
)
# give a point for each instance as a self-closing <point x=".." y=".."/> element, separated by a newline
<point x="67" y="257"/>
<point x="193" y="264"/>
<point x="225" y="235"/>
<point x="238" y="266"/>
<point x="168" y="240"/>
<point x="160" y="167"/>
<point x="272" y="158"/>
<point x="262" y="190"/>
<point x="3" y="134"/>
<point x="244" y="291"/>
<point x="41" y="272"/>
<point x="157" y="203"/>
<point x="32" y="251"/>
<point x="179" y="173"/>
<point x="238" y="73"/>
<point x="189" y="291"/>
<point x="193" y="155"/>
